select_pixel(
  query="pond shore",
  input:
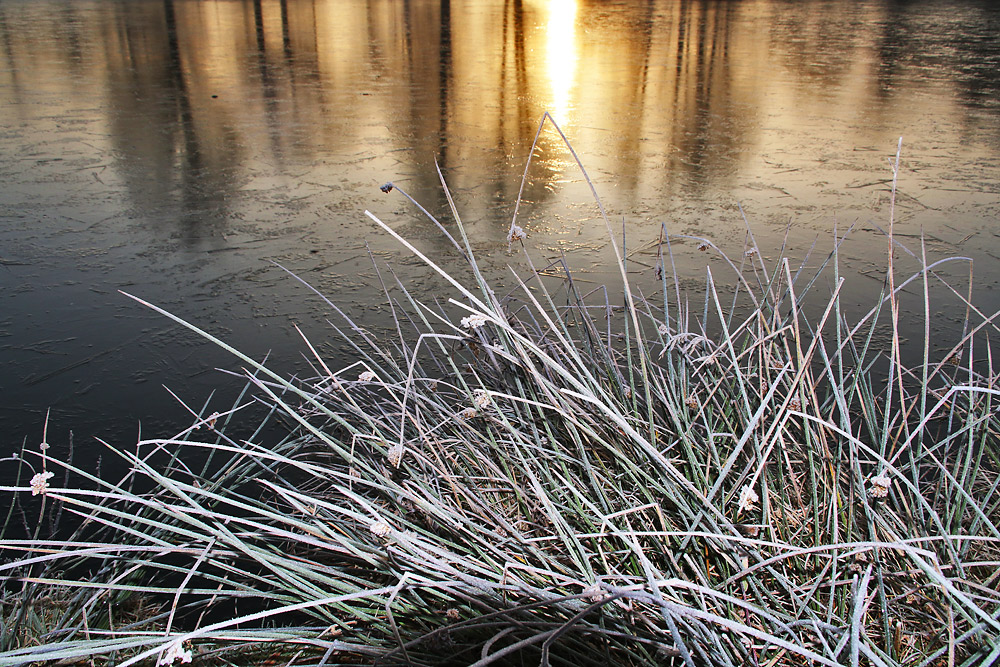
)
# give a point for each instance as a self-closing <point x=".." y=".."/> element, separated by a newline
<point x="551" y="475"/>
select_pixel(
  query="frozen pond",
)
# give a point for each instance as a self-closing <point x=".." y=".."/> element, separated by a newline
<point x="171" y="148"/>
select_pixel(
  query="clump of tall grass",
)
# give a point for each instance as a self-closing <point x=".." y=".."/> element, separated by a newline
<point x="542" y="476"/>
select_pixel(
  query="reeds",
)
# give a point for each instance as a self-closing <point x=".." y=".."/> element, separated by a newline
<point x="549" y="477"/>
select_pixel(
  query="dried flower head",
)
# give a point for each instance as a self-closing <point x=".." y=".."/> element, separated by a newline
<point x="467" y="413"/>
<point x="175" y="651"/>
<point x="880" y="486"/>
<point x="748" y="498"/>
<point x="40" y="483"/>
<point x="691" y="401"/>
<point x="395" y="454"/>
<point x="474" y="321"/>
<point x="663" y="329"/>
<point x="367" y="376"/>
<point x="481" y="399"/>
<point x="381" y="529"/>
<point x="453" y="614"/>
<point x="516" y="234"/>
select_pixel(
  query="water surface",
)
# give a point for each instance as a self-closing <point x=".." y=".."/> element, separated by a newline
<point x="172" y="148"/>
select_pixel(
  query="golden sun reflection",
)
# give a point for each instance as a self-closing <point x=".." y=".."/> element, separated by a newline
<point x="561" y="55"/>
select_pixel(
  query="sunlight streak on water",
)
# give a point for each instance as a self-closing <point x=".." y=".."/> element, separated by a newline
<point x="561" y="56"/>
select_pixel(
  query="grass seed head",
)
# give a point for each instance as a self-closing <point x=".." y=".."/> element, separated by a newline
<point x="395" y="455"/>
<point x="748" y="498"/>
<point x="594" y="593"/>
<point x="481" y="399"/>
<point x="474" y="321"/>
<point x="381" y="529"/>
<point x="175" y="653"/>
<point x="516" y="234"/>
<point x="879" y="486"/>
<point x="40" y="483"/>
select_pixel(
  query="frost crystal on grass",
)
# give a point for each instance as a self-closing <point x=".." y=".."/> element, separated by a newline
<point x="174" y="652"/>
<point x="748" y="498"/>
<point x="367" y="376"/>
<point x="880" y="486"/>
<point x="40" y="483"/>
<point x="474" y="321"/>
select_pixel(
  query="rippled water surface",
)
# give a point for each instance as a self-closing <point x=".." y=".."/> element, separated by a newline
<point x="172" y="149"/>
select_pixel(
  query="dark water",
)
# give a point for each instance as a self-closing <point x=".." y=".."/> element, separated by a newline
<point x="171" y="148"/>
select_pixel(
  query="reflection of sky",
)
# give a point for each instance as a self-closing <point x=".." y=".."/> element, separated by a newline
<point x="665" y="98"/>
<point x="776" y="104"/>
